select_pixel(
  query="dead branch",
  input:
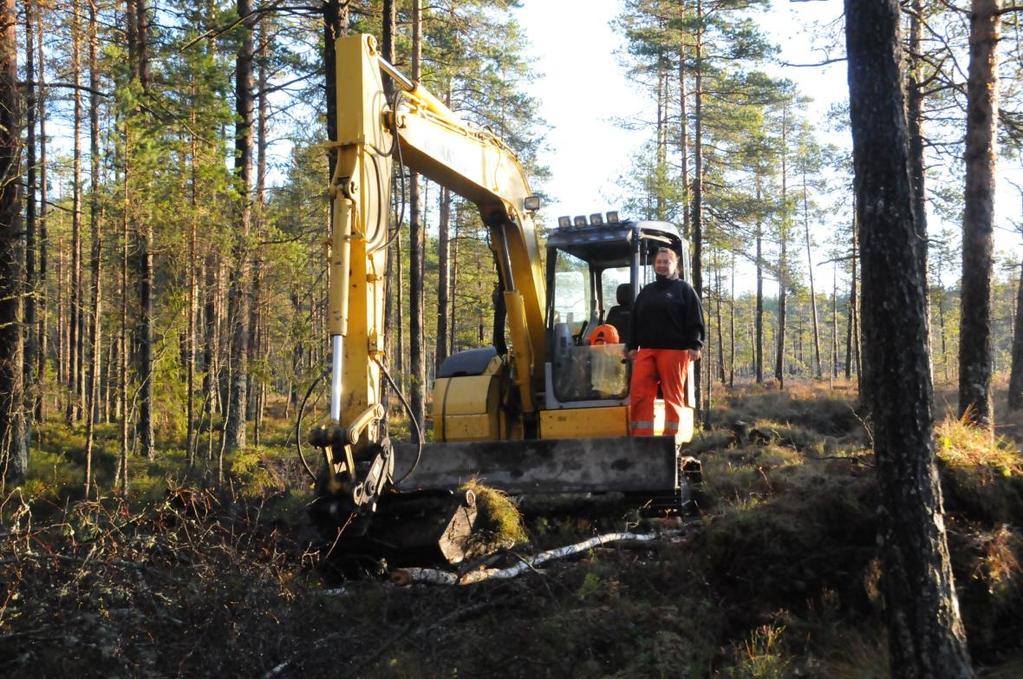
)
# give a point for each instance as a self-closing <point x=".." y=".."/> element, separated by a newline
<point x="432" y="576"/>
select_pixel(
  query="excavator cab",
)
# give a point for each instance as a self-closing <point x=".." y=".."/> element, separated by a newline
<point x="595" y="269"/>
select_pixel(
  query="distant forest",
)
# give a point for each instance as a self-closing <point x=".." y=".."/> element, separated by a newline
<point x="164" y="266"/>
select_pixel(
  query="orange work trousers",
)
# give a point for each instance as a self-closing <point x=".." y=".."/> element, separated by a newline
<point x="650" y="368"/>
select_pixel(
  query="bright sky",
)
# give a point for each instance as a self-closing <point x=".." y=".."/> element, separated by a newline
<point x="584" y="87"/>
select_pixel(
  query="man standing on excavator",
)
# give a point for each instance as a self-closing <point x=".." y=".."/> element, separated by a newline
<point x="667" y="332"/>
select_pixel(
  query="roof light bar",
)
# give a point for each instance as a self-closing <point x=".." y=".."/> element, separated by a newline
<point x="596" y="219"/>
<point x="612" y="217"/>
<point x="564" y="222"/>
<point x="580" y="220"/>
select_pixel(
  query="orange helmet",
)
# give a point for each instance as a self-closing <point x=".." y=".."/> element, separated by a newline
<point x="604" y="334"/>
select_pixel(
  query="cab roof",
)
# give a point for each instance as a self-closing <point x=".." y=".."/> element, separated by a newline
<point x="611" y="245"/>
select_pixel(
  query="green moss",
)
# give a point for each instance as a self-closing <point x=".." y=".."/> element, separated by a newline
<point x="499" y="519"/>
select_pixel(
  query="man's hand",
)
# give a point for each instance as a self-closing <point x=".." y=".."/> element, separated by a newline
<point x="695" y="355"/>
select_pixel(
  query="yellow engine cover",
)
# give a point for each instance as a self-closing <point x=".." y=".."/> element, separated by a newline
<point x="577" y="423"/>
<point x="467" y="408"/>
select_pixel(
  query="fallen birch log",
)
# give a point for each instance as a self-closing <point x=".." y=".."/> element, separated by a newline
<point x="432" y="576"/>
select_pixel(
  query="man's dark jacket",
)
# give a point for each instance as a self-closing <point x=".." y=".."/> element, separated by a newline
<point x="667" y="314"/>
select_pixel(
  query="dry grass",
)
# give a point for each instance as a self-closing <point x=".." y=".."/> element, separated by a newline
<point x="963" y="446"/>
<point x="982" y="475"/>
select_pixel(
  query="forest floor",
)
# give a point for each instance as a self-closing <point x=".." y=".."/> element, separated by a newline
<point x="776" y="575"/>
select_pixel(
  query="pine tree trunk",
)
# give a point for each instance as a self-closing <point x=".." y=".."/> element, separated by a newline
<point x="44" y="242"/>
<point x="719" y="329"/>
<point x="190" y="432"/>
<point x="697" y="211"/>
<point x="443" y="256"/>
<point x="256" y="322"/>
<point x="96" y="259"/>
<point x="1016" y="372"/>
<point x="975" y="350"/>
<point x="76" y="305"/>
<point x="731" y="328"/>
<point x="417" y="360"/>
<point x="850" y="326"/>
<point x="683" y="140"/>
<point x="121" y="476"/>
<point x="915" y="120"/>
<point x="452" y="324"/>
<point x="237" y="313"/>
<point x="783" y="237"/>
<point x="143" y="264"/>
<point x="13" y="428"/>
<point x="32" y="276"/>
<point x="813" y="294"/>
<point x="834" y="324"/>
<point x="759" y="315"/>
<point x="926" y="635"/>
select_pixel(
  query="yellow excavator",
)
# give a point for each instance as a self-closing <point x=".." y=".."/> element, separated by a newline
<point x="544" y="414"/>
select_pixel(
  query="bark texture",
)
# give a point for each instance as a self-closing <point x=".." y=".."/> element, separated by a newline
<point x="975" y="353"/>
<point x="926" y="635"/>
<point x="13" y="433"/>
<point x="238" y="297"/>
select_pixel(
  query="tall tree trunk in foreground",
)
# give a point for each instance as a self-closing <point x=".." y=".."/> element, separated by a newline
<point x="926" y="635"/>
<point x="13" y="433"/>
<point x="975" y="352"/>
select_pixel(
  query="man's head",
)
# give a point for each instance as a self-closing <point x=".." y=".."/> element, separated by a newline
<point x="666" y="263"/>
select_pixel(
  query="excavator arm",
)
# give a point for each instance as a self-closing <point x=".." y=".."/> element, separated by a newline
<point x="427" y="137"/>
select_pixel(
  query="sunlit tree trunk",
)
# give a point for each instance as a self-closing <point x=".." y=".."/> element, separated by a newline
<point x="975" y="351"/>
<point x="813" y="293"/>
<point x="783" y="238"/>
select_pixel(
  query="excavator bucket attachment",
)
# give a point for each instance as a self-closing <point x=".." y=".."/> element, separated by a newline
<point x="641" y="466"/>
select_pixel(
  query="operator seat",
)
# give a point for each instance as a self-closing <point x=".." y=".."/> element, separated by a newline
<point x="620" y="316"/>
